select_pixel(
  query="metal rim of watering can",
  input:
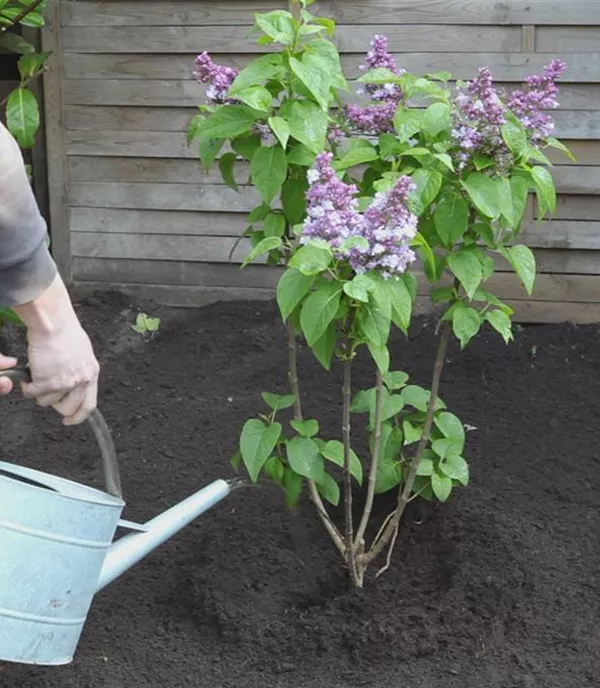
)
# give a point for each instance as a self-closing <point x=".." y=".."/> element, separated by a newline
<point x="96" y="422"/>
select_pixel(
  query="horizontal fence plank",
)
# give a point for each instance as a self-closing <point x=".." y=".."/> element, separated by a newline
<point x="229" y="12"/>
<point x="186" y="93"/>
<point x="176" y="273"/>
<point x="570" y="179"/>
<point x="509" y="67"/>
<point x="190" y="12"/>
<point x="566" y="39"/>
<point x="460" y="11"/>
<point x="190" y="39"/>
<point x="218" y="250"/>
<point x="577" y="208"/>
<point x="209" y="197"/>
<point x="160" y="247"/>
<point x="570" y="288"/>
<point x="182" y="223"/>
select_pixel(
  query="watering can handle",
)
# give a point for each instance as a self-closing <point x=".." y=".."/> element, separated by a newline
<point x="101" y="432"/>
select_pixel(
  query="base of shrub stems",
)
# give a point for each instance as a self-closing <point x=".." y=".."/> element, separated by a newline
<point x="350" y="546"/>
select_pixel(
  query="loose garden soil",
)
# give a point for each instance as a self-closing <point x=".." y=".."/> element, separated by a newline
<point x="498" y="588"/>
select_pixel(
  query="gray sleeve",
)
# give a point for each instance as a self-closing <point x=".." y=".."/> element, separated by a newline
<point x="26" y="267"/>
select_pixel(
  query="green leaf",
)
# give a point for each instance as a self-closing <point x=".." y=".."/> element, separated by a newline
<point x="389" y="475"/>
<point x="558" y="145"/>
<point x="227" y="122"/>
<point x="329" y="489"/>
<point x="258" y="71"/>
<point x="442" y="486"/>
<point x="246" y="146"/>
<point x="311" y="259"/>
<point x="305" y="458"/>
<point x="400" y="299"/>
<point x="450" y="426"/>
<point x="465" y="324"/>
<point x="484" y="193"/>
<point x="274" y="225"/>
<point x="323" y="348"/>
<point x="208" y="149"/>
<point x="427" y="255"/>
<point x="319" y="310"/>
<point x="334" y="451"/>
<point x="501" y="323"/>
<point x="256" y="97"/>
<point x="545" y="189"/>
<point x="268" y="171"/>
<point x="445" y="448"/>
<point x="259" y="213"/>
<point x="291" y="289"/>
<point x="513" y="200"/>
<point x="281" y="129"/>
<point x="396" y="379"/>
<point x="274" y="470"/>
<point x="329" y="25"/>
<point x="436" y="119"/>
<point x="411" y="432"/>
<point x="226" y="164"/>
<point x="264" y="246"/>
<point x="425" y="467"/>
<point x="236" y="460"/>
<point x="428" y="183"/>
<point x="381" y="356"/>
<point x="456" y="468"/>
<point x="23" y="116"/>
<point x="515" y="138"/>
<point x="278" y="402"/>
<point x="278" y="25"/>
<point x="308" y="124"/>
<point x="418" y="397"/>
<point x="357" y="156"/>
<point x="314" y="73"/>
<point x="392" y="405"/>
<point x="451" y="218"/>
<point x="328" y="53"/>
<point x="359" y="288"/>
<point x="374" y="319"/>
<point x="31" y="63"/>
<point x="257" y="441"/>
<point x="292" y="484"/>
<point x="301" y="155"/>
<point x="293" y="199"/>
<point x="306" y="428"/>
<point x="407" y="123"/>
<point x="523" y="262"/>
<point x="467" y="269"/>
<point x="16" y="44"/>
<point x="364" y="401"/>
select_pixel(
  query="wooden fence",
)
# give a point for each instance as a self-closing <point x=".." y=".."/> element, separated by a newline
<point x="143" y="217"/>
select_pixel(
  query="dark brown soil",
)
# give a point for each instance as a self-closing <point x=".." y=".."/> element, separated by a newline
<point x="497" y="589"/>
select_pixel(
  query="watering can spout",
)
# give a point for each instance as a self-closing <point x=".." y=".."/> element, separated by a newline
<point x="132" y="548"/>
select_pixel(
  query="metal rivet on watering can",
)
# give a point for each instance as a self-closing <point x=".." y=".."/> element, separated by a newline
<point x="57" y="550"/>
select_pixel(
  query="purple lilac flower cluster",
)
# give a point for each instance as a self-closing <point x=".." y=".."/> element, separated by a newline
<point x="540" y="95"/>
<point x="387" y="224"/>
<point x="478" y="115"/>
<point x="217" y="77"/>
<point x="376" y="118"/>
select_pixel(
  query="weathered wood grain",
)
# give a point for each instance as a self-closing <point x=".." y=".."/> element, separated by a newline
<point x="227" y="12"/>
<point x="509" y="67"/>
<point x="195" y="39"/>
<point x="565" y="39"/>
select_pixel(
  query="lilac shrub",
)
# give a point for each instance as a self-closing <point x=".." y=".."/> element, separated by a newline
<point x="354" y="200"/>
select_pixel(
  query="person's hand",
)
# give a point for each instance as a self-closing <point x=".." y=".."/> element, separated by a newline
<point x="6" y="362"/>
<point x="64" y="369"/>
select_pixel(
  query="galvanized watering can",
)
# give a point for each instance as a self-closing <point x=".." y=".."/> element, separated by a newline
<point x="57" y="550"/>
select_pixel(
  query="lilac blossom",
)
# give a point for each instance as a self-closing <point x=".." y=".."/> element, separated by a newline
<point x="478" y="114"/>
<point x="217" y="77"/>
<point x="540" y="95"/>
<point x="376" y="118"/>
<point x="385" y="228"/>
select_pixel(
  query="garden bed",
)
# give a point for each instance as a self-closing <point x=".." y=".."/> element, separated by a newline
<point x="496" y="589"/>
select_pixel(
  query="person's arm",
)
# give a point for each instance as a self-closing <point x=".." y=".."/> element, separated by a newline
<point x="63" y="366"/>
